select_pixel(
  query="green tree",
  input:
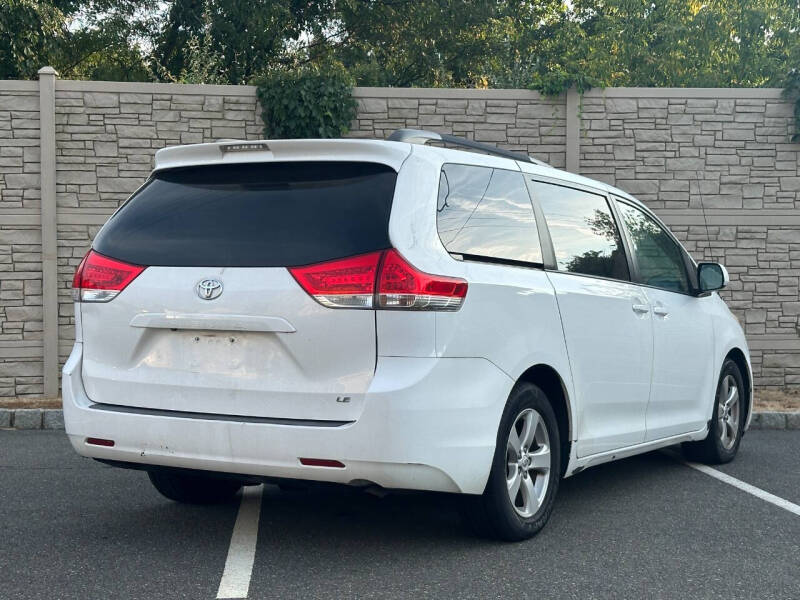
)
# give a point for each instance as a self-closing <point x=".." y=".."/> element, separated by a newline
<point x="543" y="44"/>
<point x="204" y="63"/>
<point x="312" y="101"/>
<point x="97" y="39"/>
<point x="29" y="35"/>
<point x="248" y="37"/>
<point x="106" y="39"/>
<point x="718" y="43"/>
<point x="410" y="42"/>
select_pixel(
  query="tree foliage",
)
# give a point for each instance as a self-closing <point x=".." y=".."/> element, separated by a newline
<point x="717" y="43"/>
<point x="308" y="102"/>
<point x="792" y="92"/>
<point x="28" y="33"/>
<point x="405" y="43"/>
<point x="548" y="45"/>
<point x="249" y="37"/>
<point x="94" y="39"/>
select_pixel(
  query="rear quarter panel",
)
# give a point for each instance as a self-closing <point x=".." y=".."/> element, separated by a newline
<point x="510" y="316"/>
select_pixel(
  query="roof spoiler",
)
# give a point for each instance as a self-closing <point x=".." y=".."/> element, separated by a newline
<point x="422" y="136"/>
<point x="257" y="151"/>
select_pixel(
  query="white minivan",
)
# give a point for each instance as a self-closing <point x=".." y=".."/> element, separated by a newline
<point x="391" y="314"/>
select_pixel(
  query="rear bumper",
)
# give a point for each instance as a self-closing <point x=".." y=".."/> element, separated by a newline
<point x="427" y="424"/>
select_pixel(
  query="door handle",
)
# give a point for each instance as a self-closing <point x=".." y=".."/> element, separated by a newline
<point x="641" y="308"/>
<point x="661" y="311"/>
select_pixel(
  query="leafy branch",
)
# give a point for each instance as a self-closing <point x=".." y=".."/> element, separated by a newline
<point x="791" y="91"/>
<point x="314" y="101"/>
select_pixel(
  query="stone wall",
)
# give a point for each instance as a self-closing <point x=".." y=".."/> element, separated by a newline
<point x="715" y="164"/>
<point x="722" y="158"/>
<point x="105" y="142"/>
<point x="20" y="241"/>
<point x="515" y="119"/>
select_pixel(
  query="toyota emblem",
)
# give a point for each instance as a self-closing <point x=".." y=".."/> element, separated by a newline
<point x="208" y="289"/>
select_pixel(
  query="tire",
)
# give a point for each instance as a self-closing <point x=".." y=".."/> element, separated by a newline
<point x="193" y="489"/>
<point x="494" y="514"/>
<point x="727" y="421"/>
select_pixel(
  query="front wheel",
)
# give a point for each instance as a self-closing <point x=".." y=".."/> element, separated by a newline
<point x="727" y="421"/>
<point x="525" y="473"/>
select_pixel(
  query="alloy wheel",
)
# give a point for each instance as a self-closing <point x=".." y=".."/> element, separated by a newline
<point x="728" y="412"/>
<point x="528" y="462"/>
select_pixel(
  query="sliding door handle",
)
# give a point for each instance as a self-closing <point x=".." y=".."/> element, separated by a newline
<point x="641" y="308"/>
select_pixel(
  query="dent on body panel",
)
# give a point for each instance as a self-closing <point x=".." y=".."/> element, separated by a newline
<point x="509" y="317"/>
<point x="597" y="287"/>
<point x="412" y="224"/>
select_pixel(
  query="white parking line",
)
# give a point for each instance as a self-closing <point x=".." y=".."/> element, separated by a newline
<point x="242" y="552"/>
<point x="746" y="487"/>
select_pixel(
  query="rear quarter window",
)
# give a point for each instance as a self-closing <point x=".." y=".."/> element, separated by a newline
<point x="487" y="213"/>
<point x="253" y="215"/>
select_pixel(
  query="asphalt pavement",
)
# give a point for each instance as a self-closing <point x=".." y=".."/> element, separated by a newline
<point x="644" y="527"/>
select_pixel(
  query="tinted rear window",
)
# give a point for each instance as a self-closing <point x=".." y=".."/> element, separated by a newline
<point x="253" y="215"/>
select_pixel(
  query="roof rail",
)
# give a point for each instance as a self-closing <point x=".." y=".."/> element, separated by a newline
<point x="422" y="136"/>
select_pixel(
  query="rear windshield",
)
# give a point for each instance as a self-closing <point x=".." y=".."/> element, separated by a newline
<point x="253" y="215"/>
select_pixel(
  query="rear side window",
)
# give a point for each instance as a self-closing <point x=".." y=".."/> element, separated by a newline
<point x="487" y="213"/>
<point x="585" y="236"/>
<point x="253" y="215"/>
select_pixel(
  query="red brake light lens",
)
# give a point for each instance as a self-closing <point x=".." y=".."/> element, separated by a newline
<point x="100" y="278"/>
<point x="343" y="283"/>
<point x="400" y="285"/>
<point x="381" y="279"/>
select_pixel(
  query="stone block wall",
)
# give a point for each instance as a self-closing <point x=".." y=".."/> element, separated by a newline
<point x="714" y="164"/>
<point x="20" y="241"/>
<point x="514" y="119"/>
<point x="106" y="137"/>
<point x="718" y="167"/>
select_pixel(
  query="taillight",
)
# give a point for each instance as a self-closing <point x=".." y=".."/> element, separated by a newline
<point x="100" y="279"/>
<point x="400" y="285"/>
<point x="379" y="280"/>
<point x="344" y="283"/>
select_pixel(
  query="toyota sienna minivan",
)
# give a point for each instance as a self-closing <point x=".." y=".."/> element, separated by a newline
<point x="389" y="314"/>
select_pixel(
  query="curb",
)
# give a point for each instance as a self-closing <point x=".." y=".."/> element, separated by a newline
<point x="775" y="420"/>
<point x="53" y="419"/>
<point x="31" y="418"/>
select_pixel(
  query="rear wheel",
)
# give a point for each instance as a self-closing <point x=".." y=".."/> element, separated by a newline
<point x="727" y="421"/>
<point x="193" y="489"/>
<point x="525" y="474"/>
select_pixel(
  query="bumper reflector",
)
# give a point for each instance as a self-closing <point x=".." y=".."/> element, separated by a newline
<point x="321" y="462"/>
<point x="99" y="442"/>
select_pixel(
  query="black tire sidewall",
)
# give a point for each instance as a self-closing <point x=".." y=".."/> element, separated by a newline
<point x="729" y="367"/>
<point x="507" y="522"/>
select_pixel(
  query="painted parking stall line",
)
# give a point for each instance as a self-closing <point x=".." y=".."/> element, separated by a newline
<point x="746" y="487"/>
<point x="242" y="551"/>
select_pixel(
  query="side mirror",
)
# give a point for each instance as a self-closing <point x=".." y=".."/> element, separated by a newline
<point x="712" y="276"/>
